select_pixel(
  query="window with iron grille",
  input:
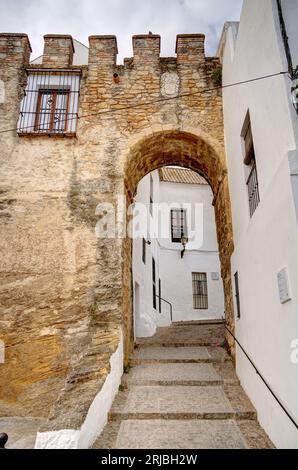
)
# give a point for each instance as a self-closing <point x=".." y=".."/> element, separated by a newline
<point x="144" y="250"/>
<point x="159" y="295"/>
<point x="253" y="189"/>
<point x="178" y="225"/>
<point x="200" y="291"/>
<point x="151" y="195"/>
<point x="154" y="283"/>
<point x="51" y="111"/>
<point x="237" y="295"/>
<point x="50" y="103"/>
<point x="251" y="166"/>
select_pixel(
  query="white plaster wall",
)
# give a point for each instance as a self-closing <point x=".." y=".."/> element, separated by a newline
<point x="177" y="285"/>
<point x="145" y="324"/>
<point x="96" y="418"/>
<point x="176" y="273"/>
<point x="198" y="257"/>
<point x="268" y="241"/>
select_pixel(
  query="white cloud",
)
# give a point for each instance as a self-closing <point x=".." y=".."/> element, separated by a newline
<point x="80" y="18"/>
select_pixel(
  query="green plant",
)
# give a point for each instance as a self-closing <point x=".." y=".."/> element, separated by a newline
<point x="126" y="368"/>
<point x="217" y="77"/>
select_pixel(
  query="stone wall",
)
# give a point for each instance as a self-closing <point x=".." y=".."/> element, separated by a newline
<point x="66" y="294"/>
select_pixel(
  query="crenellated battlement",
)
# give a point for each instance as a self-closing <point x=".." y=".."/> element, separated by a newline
<point x="15" y="49"/>
<point x="59" y="50"/>
<point x="100" y="84"/>
<point x="103" y="51"/>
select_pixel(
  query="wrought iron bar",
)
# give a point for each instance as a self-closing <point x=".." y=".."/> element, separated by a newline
<point x="50" y="102"/>
<point x="283" y="407"/>
<point x="253" y="190"/>
<point x="167" y="302"/>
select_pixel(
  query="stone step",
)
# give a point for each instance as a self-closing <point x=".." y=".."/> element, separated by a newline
<point x="158" y="354"/>
<point x="176" y="344"/>
<point x="186" y="335"/>
<point x="182" y="402"/>
<point x="183" y="434"/>
<point x="179" y="374"/>
<point x="174" y="434"/>
<point x="182" y="393"/>
<point x="221" y="433"/>
<point x="197" y="322"/>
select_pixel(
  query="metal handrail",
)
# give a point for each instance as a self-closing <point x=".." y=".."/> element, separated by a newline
<point x="262" y="378"/>
<point x="167" y="302"/>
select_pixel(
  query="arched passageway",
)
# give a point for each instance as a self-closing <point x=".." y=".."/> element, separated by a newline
<point x="190" y="151"/>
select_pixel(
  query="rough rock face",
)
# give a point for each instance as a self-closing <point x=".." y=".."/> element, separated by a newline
<point x="65" y="293"/>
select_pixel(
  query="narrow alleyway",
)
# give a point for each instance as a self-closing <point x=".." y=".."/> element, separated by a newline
<point x="181" y="391"/>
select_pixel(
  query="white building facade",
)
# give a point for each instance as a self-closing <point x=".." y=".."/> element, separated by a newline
<point x="261" y="134"/>
<point x="171" y="284"/>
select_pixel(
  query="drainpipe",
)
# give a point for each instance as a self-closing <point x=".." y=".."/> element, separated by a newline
<point x="285" y="39"/>
<point x="293" y="72"/>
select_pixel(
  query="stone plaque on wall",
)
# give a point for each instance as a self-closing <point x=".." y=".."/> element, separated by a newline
<point x="215" y="276"/>
<point x="169" y="84"/>
<point x="283" y="286"/>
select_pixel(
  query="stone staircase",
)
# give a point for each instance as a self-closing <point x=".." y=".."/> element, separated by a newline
<point x="181" y="391"/>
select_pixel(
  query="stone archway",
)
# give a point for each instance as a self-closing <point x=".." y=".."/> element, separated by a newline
<point x="191" y="151"/>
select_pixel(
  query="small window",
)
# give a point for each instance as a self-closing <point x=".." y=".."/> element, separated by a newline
<point x="144" y="250"/>
<point x="178" y="225"/>
<point x="237" y="295"/>
<point x="50" y="102"/>
<point x="251" y="167"/>
<point x="51" y="111"/>
<point x="200" y="291"/>
<point x="159" y="295"/>
<point x="151" y="195"/>
<point x="154" y="283"/>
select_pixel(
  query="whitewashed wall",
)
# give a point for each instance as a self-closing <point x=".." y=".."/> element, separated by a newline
<point x="146" y="319"/>
<point x="176" y="273"/>
<point x="269" y="241"/>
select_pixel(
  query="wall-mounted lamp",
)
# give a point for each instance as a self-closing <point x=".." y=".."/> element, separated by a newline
<point x="184" y="241"/>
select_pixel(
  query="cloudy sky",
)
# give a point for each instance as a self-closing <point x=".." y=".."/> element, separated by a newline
<point x="80" y="18"/>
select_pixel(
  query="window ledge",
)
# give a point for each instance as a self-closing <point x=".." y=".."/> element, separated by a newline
<point x="47" y="134"/>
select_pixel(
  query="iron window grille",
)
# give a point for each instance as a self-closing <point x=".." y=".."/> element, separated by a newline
<point x="237" y="294"/>
<point x="50" y="102"/>
<point x="178" y="225"/>
<point x="253" y="189"/>
<point x="200" y="291"/>
<point x="250" y="161"/>
<point x="151" y="196"/>
<point x="154" y="283"/>
<point x="144" y="250"/>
